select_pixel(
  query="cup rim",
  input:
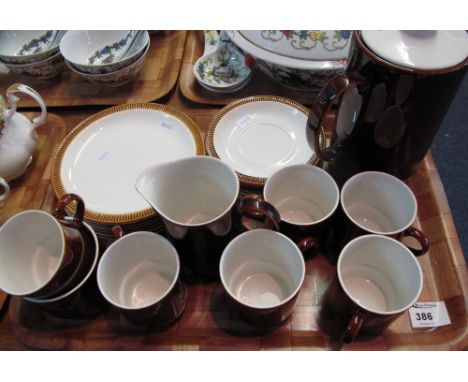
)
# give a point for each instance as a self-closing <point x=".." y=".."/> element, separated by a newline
<point x="394" y="179"/>
<point x="258" y="232"/>
<point x="405" y="250"/>
<point x="119" y="242"/>
<point x="62" y="241"/>
<point x="311" y="168"/>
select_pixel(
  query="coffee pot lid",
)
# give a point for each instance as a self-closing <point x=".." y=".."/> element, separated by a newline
<point x="424" y="50"/>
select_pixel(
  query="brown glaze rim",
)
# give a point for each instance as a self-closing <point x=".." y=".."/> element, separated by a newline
<point x="100" y="217"/>
<point x="361" y="45"/>
<point x="247" y="180"/>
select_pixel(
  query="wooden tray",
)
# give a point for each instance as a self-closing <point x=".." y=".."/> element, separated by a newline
<point x="207" y="323"/>
<point x="33" y="190"/>
<point x="259" y="84"/>
<point x="157" y="77"/>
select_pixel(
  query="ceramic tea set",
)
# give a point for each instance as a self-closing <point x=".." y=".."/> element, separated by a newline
<point x="175" y="214"/>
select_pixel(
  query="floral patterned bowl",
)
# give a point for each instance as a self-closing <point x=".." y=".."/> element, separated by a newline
<point x="45" y="69"/>
<point x="304" y="44"/>
<point x="309" y="74"/>
<point x="78" y="47"/>
<point x="27" y="47"/>
<point x="117" y="78"/>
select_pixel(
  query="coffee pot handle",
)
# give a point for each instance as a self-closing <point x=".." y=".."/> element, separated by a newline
<point x="254" y="207"/>
<point x="6" y="188"/>
<point x="333" y="91"/>
<point x="13" y="99"/>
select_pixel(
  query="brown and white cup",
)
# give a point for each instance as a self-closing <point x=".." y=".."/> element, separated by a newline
<point x="139" y="275"/>
<point x="377" y="280"/>
<point x="41" y="252"/>
<point x="304" y="197"/>
<point x="374" y="202"/>
<point x="79" y="298"/>
<point x="262" y="272"/>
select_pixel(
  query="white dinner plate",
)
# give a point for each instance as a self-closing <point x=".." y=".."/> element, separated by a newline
<point x="258" y="135"/>
<point x="102" y="157"/>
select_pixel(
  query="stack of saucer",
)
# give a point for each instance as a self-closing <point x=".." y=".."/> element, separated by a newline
<point x="101" y="159"/>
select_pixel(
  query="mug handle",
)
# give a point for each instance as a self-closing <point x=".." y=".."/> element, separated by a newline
<point x="254" y="207"/>
<point x="420" y="236"/>
<point x="118" y="232"/>
<point x="333" y="90"/>
<point x="61" y="214"/>
<point x="6" y="188"/>
<point x="307" y="243"/>
<point x="13" y="99"/>
<point x="354" y="326"/>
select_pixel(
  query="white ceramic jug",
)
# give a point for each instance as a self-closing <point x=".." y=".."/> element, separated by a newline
<point x="17" y="135"/>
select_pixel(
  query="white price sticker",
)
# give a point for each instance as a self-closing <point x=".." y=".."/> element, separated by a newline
<point x="429" y="314"/>
<point x="244" y="121"/>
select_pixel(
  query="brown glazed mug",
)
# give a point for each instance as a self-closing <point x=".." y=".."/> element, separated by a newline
<point x="80" y="298"/>
<point x="196" y="199"/>
<point x="391" y="100"/>
<point x="301" y="199"/>
<point x="377" y="280"/>
<point x="139" y="275"/>
<point x="262" y="272"/>
<point x="374" y="202"/>
<point x="40" y="252"/>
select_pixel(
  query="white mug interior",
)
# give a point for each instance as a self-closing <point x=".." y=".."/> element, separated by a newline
<point x="192" y="191"/>
<point x="138" y="270"/>
<point x="31" y="249"/>
<point x="380" y="274"/>
<point x="303" y="194"/>
<point x="379" y="203"/>
<point x="262" y="269"/>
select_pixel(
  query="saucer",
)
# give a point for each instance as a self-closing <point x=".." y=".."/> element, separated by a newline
<point x="259" y="135"/>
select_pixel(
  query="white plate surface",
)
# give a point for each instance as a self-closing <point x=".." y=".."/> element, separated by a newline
<point x="103" y="161"/>
<point x="259" y="138"/>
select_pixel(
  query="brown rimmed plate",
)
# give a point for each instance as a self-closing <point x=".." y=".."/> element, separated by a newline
<point x="101" y="158"/>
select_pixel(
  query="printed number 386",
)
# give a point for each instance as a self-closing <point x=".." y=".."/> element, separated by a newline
<point x="424" y="316"/>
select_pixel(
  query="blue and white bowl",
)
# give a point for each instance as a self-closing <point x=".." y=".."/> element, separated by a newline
<point x="20" y="47"/>
<point x="79" y="46"/>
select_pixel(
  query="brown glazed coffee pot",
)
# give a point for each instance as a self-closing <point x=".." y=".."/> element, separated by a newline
<point x="389" y="104"/>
